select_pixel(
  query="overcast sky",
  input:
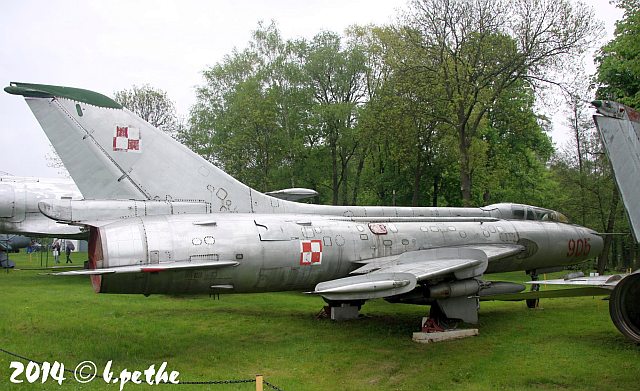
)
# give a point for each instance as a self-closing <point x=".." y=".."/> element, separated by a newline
<point x="112" y="45"/>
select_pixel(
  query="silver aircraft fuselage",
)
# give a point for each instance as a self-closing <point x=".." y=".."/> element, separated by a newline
<point x="19" y="212"/>
<point x="296" y="252"/>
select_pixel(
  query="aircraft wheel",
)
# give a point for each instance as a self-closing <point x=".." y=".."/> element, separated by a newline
<point x="437" y="315"/>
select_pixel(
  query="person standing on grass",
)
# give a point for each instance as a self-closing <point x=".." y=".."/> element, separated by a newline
<point x="68" y="248"/>
<point x="56" y="251"/>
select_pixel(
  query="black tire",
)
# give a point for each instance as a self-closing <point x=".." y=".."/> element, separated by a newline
<point x="624" y="307"/>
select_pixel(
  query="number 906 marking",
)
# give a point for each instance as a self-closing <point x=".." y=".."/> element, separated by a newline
<point x="578" y="248"/>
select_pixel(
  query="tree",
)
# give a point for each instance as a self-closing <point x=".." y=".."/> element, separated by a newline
<point x="336" y="76"/>
<point x="409" y="152"/>
<point x="152" y="105"/>
<point x="478" y="49"/>
<point x="252" y="116"/>
<point x="619" y="60"/>
<point x="590" y="196"/>
<point x="515" y="150"/>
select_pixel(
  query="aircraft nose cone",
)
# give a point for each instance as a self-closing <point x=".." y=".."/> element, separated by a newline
<point x="597" y="243"/>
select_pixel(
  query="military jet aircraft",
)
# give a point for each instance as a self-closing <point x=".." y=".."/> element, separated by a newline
<point x="19" y="212"/>
<point x="346" y="254"/>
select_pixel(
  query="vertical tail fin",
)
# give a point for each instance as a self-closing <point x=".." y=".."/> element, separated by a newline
<point x="111" y="153"/>
<point x="619" y="128"/>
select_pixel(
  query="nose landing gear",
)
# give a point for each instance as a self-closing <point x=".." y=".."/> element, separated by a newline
<point x="533" y="303"/>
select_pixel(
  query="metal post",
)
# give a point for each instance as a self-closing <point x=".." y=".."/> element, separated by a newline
<point x="259" y="382"/>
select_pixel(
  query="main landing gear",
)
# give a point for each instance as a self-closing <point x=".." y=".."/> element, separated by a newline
<point x="343" y="310"/>
<point x="437" y="327"/>
<point x="437" y="321"/>
<point x="533" y="303"/>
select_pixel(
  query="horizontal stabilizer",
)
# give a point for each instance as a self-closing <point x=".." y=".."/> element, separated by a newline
<point x="156" y="268"/>
<point x="53" y="268"/>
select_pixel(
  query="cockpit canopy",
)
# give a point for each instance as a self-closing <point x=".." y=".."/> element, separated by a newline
<point x="524" y="212"/>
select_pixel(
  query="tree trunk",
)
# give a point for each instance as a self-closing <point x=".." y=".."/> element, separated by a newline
<point x="344" y="178"/>
<point x="417" y="178"/>
<point x="603" y="260"/>
<point x="436" y="192"/>
<point x="334" y="180"/>
<point x="465" y="170"/>
<point x="356" y="181"/>
<point x="465" y="181"/>
<point x="614" y="253"/>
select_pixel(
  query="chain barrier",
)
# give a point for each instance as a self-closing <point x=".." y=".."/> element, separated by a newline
<point x="219" y="381"/>
<point x="210" y="382"/>
<point x="37" y="362"/>
<point x="272" y="386"/>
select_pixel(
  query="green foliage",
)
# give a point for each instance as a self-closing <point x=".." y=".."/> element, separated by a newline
<point x="405" y="115"/>
<point x="516" y="151"/>
<point x="619" y="60"/>
<point x="475" y="52"/>
<point x="252" y="116"/>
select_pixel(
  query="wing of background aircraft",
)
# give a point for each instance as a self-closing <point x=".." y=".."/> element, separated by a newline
<point x="623" y="291"/>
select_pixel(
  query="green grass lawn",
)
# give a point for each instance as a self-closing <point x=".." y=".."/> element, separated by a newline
<point x="568" y="344"/>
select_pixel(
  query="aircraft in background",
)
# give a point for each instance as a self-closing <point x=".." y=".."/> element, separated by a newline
<point x="346" y="254"/>
<point x="19" y="212"/>
<point x="14" y="242"/>
<point x="11" y="243"/>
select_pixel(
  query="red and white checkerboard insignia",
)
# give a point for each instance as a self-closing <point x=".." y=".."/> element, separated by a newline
<point x="127" y="139"/>
<point x="310" y="252"/>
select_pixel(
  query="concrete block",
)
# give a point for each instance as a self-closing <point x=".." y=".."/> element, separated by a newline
<point x="444" y="335"/>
